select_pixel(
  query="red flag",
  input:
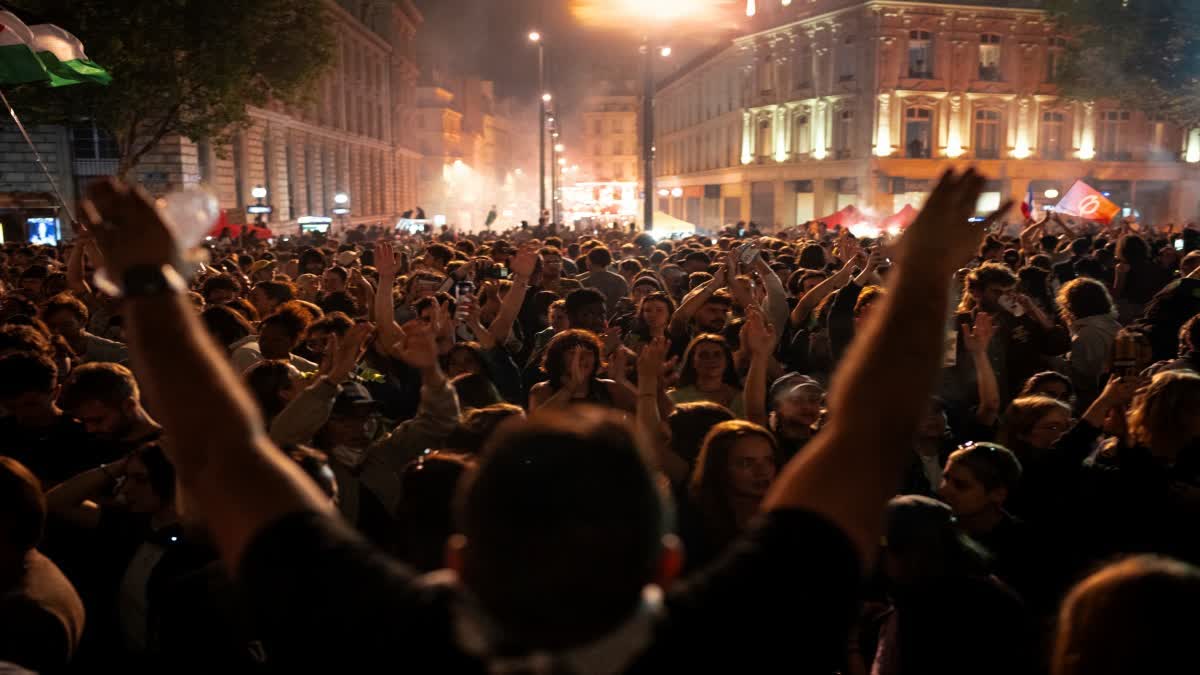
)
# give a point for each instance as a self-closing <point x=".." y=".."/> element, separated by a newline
<point x="1084" y="201"/>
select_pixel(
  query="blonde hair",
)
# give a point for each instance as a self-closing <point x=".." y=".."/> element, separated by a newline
<point x="1022" y="414"/>
<point x="1154" y="418"/>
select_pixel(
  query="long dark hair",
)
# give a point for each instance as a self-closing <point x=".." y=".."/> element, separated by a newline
<point x="267" y="380"/>
<point x="687" y="375"/>
<point x="640" y="327"/>
<point x="709" y="486"/>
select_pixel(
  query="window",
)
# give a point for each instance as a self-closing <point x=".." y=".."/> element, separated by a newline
<point x="846" y="59"/>
<point x="764" y="138"/>
<point x="1051" y="135"/>
<point x="989" y="57"/>
<point x="617" y="127"/>
<point x="598" y="127"/>
<point x="766" y="74"/>
<point x="844" y="134"/>
<point x="1054" y="57"/>
<point x="803" y="69"/>
<point x="801" y="136"/>
<point x="1114" y="135"/>
<point x="918" y="132"/>
<point x="987" y="134"/>
<point x="920" y="54"/>
<point x="91" y="142"/>
<point x="204" y="161"/>
<point x="239" y="169"/>
<point x="618" y="148"/>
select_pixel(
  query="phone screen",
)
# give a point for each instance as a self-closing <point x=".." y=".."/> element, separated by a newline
<point x="1178" y="244"/>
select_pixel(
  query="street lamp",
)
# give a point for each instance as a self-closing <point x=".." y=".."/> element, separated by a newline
<point x="259" y="209"/>
<point x="559" y="147"/>
<point x="546" y="97"/>
<point x="536" y="38"/>
<point x="341" y="206"/>
<point x="341" y="198"/>
<point x="259" y="192"/>
<point x="1051" y="193"/>
<point x="648" y="132"/>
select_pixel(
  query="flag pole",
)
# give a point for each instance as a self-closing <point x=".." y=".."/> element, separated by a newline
<point x="37" y="156"/>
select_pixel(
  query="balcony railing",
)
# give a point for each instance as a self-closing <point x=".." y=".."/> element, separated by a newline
<point x="95" y="167"/>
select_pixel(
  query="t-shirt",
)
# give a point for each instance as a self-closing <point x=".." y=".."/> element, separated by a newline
<point x="781" y="599"/>
<point x="41" y="617"/>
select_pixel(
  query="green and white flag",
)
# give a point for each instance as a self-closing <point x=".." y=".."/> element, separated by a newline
<point x="43" y="53"/>
<point x="62" y="54"/>
<point x="18" y="63"/>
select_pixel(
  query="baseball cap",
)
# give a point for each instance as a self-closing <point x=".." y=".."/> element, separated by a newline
<point x="352" y="398"/>
<point x="260" y="265"/>
<point x="347" y="258"/>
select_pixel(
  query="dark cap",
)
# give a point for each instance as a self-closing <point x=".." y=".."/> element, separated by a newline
<point x="353" y="398"/>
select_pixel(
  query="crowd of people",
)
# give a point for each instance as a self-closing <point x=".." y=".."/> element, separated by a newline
<point x="970" y="448"/>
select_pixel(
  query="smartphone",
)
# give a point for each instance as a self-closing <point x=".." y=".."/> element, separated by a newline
<point x="1179" y="244"/>
<point x="747" y="253"/>
<point x="463" y="288"/>
<point x="497" y="272"/>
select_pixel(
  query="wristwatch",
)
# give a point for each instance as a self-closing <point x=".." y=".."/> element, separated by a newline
<point x="142" y="281"/>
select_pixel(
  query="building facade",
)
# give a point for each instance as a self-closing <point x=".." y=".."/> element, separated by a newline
<point x="466" y="138"/>
<point x="355" y="138"/>
<point x="607" y="145"/>
<point x="830" y="103"/>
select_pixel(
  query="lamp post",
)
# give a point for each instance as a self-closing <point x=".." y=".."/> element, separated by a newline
<point x="648" y="132"/>
<point x="341" y="206"/>
<point x="259" y="193"/>
<point x="536" y="38"/>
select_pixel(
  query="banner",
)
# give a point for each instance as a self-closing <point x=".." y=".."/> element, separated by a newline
<point x="1084" y="201"/>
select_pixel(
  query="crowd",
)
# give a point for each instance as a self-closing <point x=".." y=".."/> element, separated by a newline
<point x="972" y="448"/>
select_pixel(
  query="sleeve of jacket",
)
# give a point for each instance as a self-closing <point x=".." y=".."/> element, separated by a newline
<point x="775" y="306"/>
<point x="505" y="374"/>
<point x="304" y="415"/>
<point x="437" y="416"/>
<point x="841" y="319"/>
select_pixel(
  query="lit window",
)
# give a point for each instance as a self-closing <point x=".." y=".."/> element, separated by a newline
<point x="989" y="57"/>
<point x="920" y="54"/>
<point x="918" y="133"/>
<point x="987" y="134"/>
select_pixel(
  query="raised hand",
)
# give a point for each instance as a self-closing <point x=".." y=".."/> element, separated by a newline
<point x="618" y="364"/>
<point x="757" y="334"/>
<point x="524" y="262"/>
<point x="652" y="360"/>
<point x="343" y="354"/>
<point x="128" y="229"/>
<point x="418" y="345"/>
<point x="575" y="377"/>
<point x="942" y="239"/>
<point x="385" y="260"/>
<point x="976" y="338"/>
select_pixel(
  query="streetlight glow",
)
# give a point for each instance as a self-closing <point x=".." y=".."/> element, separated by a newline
<point x="559" y="147"/>
<point x="665" y="51"/>
<point x="341" y="198"/>
<point x="562" y="161"/>
<point x="1051" y="193"/>
<point x="676" y="192"/>
<point x="535" y="36"/>
<point x="547" y="97"/>
<point x="258" y="192"/>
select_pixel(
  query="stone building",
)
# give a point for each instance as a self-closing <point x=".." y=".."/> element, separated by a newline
<point x="609" y="150"/>
<point x="355" y="138"/>
<point x="827" y="103"/>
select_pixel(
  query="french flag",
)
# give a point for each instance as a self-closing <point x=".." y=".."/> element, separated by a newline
<point x="1027" y="205"/>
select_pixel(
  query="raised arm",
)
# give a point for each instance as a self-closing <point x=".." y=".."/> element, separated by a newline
<point x="384" y="311"/>
<point x="76" y="275"/>
<point x="811" y="299"/>
<point x="695" y="299"/>
<point x="759" y="337"/>
<point x="650" y="364"/>
<point x="775" y="305"/>
<point x="230" y="471"/>
<point x="976" y="338"/>
<point x="522" y="265"/>
<point x="851" y="469"/>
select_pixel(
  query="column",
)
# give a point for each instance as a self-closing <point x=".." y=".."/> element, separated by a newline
<point x="1191" y="153"/>
<point x="954" y="147"/>
<point x="780" y="134"/>
<point x="1087" y="133"/>
<point x="785" y="205"/>
<point x="1021" y="147"/>
<point x="747" y="137"/>
<point x="820" y="132"/>
<point x="883" y="125"/>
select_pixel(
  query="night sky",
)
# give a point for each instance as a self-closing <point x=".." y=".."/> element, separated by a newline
<point x="489" y="38"/>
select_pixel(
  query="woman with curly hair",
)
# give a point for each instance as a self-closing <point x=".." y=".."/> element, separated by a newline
<point x="709" y="374"/>
<point x="572" y="362"/>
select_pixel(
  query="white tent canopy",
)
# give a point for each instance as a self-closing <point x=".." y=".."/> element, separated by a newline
<point x="666" y="225"/>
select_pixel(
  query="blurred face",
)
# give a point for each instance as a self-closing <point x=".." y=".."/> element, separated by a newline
<point x="1047" y="430"/>
<point x="933" y="425"/>
<point x="656" y="314"/>
<point x="274" y="343"/>
<point x="353" y="429"/>
<point x="708" y="358"/>
<point x="31" y="287"/>
<point x="588" y="359"/>
<point x="691" y="266"/>
<point x="103" y="420"/>
<point x="309" y="285"/>
<point x="462" y="361"/>
<point x="136" y="490"/>
<point x="317" y="342"/>
<point x="591" y="317"/>
<point x="810" y="283"/>
<point x="31" y="406"/>
<point x="963" y="492"/>
<point x="751" y="467"/>
<point x="558" y="319"/>
<point x="332" y="282"/>
<point x="641" y="291"/>
<point x="262" y="304"/>
<point x="800" y="407"/>
<point x="711" y="317"/>
<point x="220" y="296"/>
<point x="64" y="323"/>
<point x="552" y="266"/>
<point x="989" y="297"/>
